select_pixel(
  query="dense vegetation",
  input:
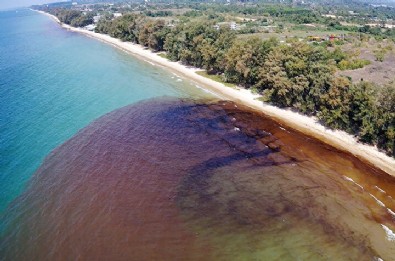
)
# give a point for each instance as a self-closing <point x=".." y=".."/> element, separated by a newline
<point x="73" y="17"/>
<point x="295" y="74"/>
<point x="285" y="12"/>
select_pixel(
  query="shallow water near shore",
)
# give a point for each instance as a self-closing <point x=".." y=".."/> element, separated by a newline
<point x="175" y="179"/>
<point x="54" y="82"/>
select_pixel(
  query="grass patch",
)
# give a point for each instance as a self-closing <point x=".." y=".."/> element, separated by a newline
<point x="216" y="78"/>
<point x="352" y="64"/>
<point x="163" y="55"/>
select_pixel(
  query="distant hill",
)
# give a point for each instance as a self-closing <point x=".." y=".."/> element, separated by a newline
<point x="355" y="2"/>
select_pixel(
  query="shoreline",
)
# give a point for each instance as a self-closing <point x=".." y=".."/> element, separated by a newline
<point x="307" y="125"/>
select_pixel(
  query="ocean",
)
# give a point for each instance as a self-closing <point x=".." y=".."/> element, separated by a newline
<point x="107" y="157"/>
<point x="54" y="82"/>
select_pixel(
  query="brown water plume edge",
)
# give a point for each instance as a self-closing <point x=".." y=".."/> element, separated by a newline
<point x="171" y="179"/>
<point x="308" y="125"/>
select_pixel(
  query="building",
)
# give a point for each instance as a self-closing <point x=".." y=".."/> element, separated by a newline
<point x="232" y="25"/>
<point x="90" y="27"/>
<point x="96" y="18"/>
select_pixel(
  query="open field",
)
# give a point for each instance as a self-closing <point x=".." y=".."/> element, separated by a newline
<point x="295" y="33"/>
<point x="379" y="72"/>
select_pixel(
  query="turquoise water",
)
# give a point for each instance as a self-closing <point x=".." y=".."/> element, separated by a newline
<point x="54" y="82"/>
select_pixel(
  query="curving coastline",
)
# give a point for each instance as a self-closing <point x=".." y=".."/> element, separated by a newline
<point x="307" y="125"/>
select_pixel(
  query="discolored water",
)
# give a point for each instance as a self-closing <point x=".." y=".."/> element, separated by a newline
<point x="176" y="179"/>
<point x="54" y="82"/>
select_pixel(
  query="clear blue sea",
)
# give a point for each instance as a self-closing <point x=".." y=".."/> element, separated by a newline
<point x="54" y="82"/>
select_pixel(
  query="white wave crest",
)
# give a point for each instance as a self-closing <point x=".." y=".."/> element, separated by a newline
<point x="351" y="180"/>
<point x="389" y="232"/>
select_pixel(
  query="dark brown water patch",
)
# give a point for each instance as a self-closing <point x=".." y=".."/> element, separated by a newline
<point x="184" y="180"/>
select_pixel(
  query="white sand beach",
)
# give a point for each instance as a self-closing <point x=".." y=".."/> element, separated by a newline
<point x="307" y="125"/>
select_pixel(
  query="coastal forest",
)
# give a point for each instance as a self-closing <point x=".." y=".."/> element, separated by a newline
<point x="293" y="74"/>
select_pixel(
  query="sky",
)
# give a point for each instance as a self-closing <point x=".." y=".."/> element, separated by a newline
<point x="9" y="4"/>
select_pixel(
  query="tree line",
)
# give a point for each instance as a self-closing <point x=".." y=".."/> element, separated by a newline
<point x="73" y="17"/>
<point x="296" y="74"/>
